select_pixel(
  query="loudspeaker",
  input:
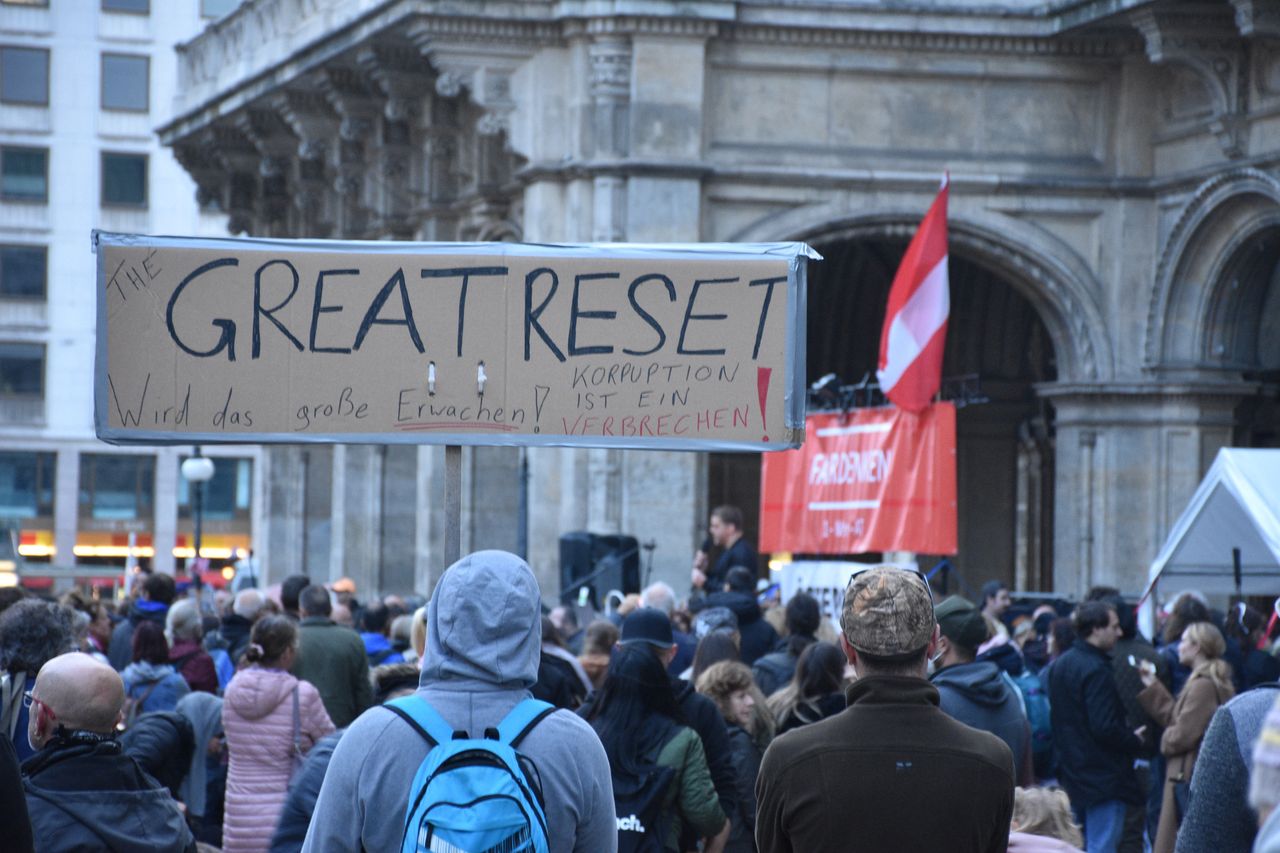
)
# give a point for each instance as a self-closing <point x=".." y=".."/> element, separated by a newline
<point x="601" y="563"/>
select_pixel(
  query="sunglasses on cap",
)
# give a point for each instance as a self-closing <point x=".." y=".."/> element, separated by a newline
<point x="924" y="579"/>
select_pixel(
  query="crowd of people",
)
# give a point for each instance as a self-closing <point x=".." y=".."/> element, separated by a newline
<point x="720" y="721"/>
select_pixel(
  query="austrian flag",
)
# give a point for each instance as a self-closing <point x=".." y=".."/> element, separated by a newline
<point x="915" y="322"/>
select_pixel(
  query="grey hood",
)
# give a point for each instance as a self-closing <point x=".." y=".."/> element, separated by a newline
<point x="484" y="623"/>
<point x="980" y="682"/>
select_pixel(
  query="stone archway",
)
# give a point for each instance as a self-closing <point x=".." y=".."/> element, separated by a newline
<point x="1194" y="315"/>
<point x="1025" y="316"/>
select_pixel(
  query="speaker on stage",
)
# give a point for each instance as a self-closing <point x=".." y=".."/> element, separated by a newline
<point x="601" y="563"/>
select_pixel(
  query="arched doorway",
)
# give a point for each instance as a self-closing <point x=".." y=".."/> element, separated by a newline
<point x="1241" y="331"/>
<point x="1004" y="443"/>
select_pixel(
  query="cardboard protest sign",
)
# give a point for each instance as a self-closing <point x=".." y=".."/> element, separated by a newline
<point x="674" y="347"/>
<point x="868" y="480"/>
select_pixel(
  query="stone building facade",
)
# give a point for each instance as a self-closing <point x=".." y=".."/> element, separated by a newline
<point x="1115" y="234"/>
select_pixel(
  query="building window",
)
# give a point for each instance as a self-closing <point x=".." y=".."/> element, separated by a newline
<point x="138" y="7"/>
<point x="23" y="271"/>
<point x="124" y="180"/>
<point x="117" y="488"/>
<point x="217" y="8"/>
<point x="126" y="81"/>
<point x="227" y="497"/>
<point x="26" y="486"/>
<point x="24" y="75"/>
<point x="24" y="173"/>
<point x="21" y="371"/>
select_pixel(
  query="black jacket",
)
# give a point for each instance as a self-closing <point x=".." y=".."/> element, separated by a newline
<point x="891" y="773"/>
<point x="701" y="715"/>
<point x="304" y="790"/>
<point x="740" y="553"/>
<point x="232" y="636"/>
<point x="811" y="711"/>
<point x="758" y="636"/>
<point x="746" y="767"/>
<point x="557" y="683"/>
<point x="162" y="743"/>
<point x="1095" y="747"/>
<point x="90" y="796"/>
<point x="13" y="805"/>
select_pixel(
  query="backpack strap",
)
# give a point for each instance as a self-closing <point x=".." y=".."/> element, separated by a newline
<point x="418" y="713"/>
<point x="522" y="719"/>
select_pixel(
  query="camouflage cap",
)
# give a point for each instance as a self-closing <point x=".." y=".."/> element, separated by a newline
<point x="888" y="612"/>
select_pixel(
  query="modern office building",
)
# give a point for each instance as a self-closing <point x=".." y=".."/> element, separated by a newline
<point x="83" y="84"/>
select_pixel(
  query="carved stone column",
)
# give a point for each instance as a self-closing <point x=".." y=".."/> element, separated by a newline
<point x="315" y="126"/>
<point x="610" y="96"/>
<point x="1128" y="459"/>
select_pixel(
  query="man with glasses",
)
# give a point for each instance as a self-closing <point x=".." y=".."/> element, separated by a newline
<point x="891" y="772"/>
<point x="83" y="792"/>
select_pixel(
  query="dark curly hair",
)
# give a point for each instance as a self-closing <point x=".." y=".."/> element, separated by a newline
<point x="32" y="632"/>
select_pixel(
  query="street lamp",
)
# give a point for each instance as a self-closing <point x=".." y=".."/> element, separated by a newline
<point x="197" y="469"/>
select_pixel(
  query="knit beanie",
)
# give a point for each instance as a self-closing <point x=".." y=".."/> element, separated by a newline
<point x="1264" y="787"/>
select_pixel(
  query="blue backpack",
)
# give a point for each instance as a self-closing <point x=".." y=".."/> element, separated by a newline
<point x="474" y="795"/>
<point x="1036" y="702"/>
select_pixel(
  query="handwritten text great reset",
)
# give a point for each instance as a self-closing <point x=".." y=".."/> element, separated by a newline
<point x="241" y="340"/>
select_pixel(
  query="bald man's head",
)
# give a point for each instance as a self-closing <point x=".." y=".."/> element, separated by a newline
<point x="79" y="693"/>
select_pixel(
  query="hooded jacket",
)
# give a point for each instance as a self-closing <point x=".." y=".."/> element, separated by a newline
<point x="484" y="642"/>
<point x="204" y="712"/>
<point x="257" y="714"/>
<point x="758" y="636"/>
<point x="91" y="796"/>
<point x="120" y="650"/>
<point x="169" y="685"/>
<point x="978" y="695"/>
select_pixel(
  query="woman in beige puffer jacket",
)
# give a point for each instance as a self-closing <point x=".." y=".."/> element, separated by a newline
<point x="258" y="717"/>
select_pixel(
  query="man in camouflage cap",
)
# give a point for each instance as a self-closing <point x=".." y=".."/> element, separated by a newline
<point x="891" y="772"/>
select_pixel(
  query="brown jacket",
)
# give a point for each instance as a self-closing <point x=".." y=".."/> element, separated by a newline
<point x="891" y="772"/>
<point x="1184" y="723"/>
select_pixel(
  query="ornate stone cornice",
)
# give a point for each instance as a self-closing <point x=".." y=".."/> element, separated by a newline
<point x="1258" y="18"/>
<point x="1204" y="39"/>
<point x="633" y="25"/>
<point x="1112" y="45"/>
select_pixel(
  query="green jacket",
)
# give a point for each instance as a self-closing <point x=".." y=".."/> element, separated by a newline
<point x="333" y="659"/>
<point x="691" y="798"/>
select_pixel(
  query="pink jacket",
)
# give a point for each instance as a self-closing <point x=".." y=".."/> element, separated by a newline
<point x="1021" y="842"/>
<point x="257" y="714"/>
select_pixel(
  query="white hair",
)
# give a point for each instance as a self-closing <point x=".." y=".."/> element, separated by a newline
<point x="248" y="604"/>
<point x="183" y="621"/>
<point x="659" y="595"/>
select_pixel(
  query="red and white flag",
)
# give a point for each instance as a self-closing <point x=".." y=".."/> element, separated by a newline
<point x="915" y="322"/>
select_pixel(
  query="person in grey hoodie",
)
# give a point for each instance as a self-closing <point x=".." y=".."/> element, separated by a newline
<point x="975" y="692"/>
<point x="484" y="642"/>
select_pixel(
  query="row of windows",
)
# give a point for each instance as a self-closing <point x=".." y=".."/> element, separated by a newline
<point x="24" y="79"/>
<point x="208" y="8"/>
<point x="24" y="176"/>
<point x="117" y="488"/>
<point x="21" y="371"/>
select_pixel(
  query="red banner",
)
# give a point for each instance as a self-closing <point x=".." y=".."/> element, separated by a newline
<point x="871" y="480"/>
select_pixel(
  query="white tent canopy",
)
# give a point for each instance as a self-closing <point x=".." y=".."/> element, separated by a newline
<point x="1236" y="506"/>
